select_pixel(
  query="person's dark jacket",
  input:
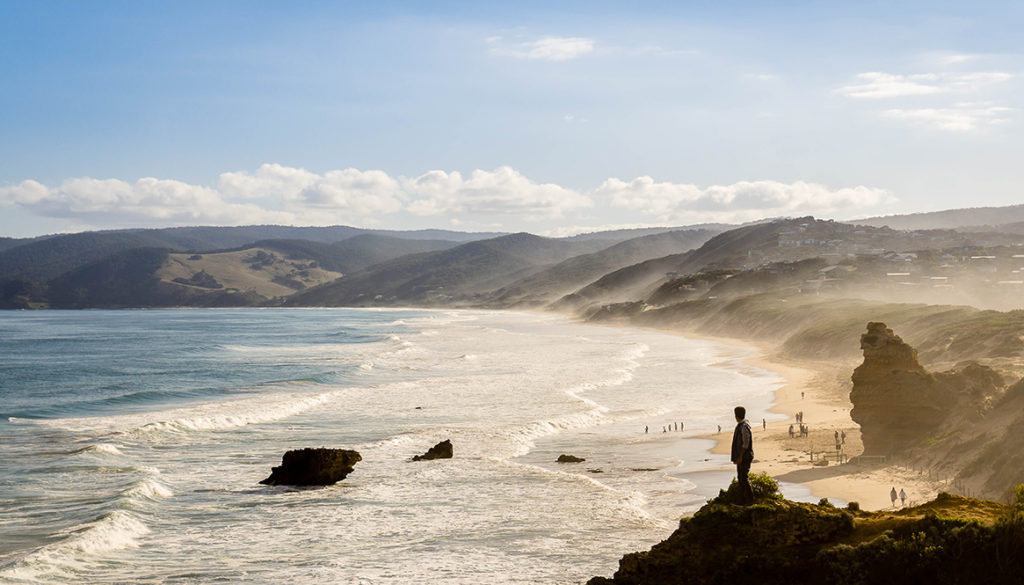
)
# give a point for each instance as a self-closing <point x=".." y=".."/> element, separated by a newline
<point x="742" y="437"/>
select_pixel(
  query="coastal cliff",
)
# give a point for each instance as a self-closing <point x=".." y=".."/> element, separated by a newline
<point x="897" y="402"/>
<point x="949" y="540"/>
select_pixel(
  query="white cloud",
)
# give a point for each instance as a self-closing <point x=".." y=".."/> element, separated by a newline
<point x="883" y="85"/>
<point x="877" y="85"/>
<point x="109" y="202"/>
<point x="960" y="118"/>
<point x="502" y="199"/>
<point x="954" y="59"/>
<point x="503" y="191"/>
<point x="270" y="180"/>
<point x="544" y="49"/>
<point x="354" y="191"/>
<point x="743" y="201"/>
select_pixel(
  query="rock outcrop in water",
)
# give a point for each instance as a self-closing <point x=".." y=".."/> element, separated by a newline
<point x="897" y="402"/>
<point x="563" y="458"/>
<point x="442" y="450"/>
<point x="308" y="467"/>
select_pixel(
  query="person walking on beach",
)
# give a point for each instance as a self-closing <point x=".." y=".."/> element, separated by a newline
<point x="743" y="454"/>
<point x="903" y="498"/>
<point x="892" y="496"/>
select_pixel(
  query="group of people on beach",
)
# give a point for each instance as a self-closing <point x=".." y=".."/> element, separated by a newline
<point x="672" y="426"/>
<point x="902" y="496"/>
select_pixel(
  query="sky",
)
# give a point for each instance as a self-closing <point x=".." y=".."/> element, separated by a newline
<point x="554" y="118"/>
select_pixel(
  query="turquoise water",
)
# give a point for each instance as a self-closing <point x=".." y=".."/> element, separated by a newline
<point x="134" y="442"/>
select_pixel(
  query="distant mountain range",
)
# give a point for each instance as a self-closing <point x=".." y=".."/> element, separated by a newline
<point x="345" y="266"/>
<point x="970" y="219"/>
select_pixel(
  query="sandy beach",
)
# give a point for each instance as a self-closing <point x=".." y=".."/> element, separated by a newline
<point x="821" y="392"/>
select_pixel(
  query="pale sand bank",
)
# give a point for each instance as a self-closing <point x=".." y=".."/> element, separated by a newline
<point x="826" y="409"/>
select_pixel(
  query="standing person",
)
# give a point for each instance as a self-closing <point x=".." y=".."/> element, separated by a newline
<point x="645" y="429"/>
<point x="903" y="497"/>
<point x="764" y="425"/>
<point x="743" y="454"/>
<point x="892" y="496"/>
<point x="790" y="431"/>
<point x="843" y="436"/>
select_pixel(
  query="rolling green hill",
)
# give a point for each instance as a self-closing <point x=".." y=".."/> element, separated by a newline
<point x="456" y="275"/>
<point x="552" y="283"/>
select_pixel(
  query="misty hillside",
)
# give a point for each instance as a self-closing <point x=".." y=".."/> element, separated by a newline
<point x="6" y="243"/>
<point x="447" y="276"/>
<point x="355" y="253"/>
<point x="777" y="241"/>
<point x="47" y="258"/>
<point x="990" y="217"/>
<point x="369" y="249"/>
<point x="128" y="279"/>
<point x="519" y="270"/>
<point x="551" y="283"/>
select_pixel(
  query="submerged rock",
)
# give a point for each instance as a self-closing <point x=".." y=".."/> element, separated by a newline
<point x="305" y="467"/>
<point x="442" y="450"/>
<point x="563" y="458"/>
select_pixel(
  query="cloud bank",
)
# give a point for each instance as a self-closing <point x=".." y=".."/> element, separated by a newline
<point x="502" y="199"/>
<point x="931" y="97"/>
<point x="742" y="201"/>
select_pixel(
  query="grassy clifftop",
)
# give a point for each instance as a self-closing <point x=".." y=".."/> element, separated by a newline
<point x="949" y="540"/>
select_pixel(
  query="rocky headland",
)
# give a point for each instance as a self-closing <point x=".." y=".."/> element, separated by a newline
<point x="949" y="540"/>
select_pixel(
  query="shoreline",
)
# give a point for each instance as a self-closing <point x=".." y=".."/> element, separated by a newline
<point x="826" y="409"/>
<point x="818" y="390"/>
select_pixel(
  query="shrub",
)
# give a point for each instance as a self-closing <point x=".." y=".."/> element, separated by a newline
<point x="764" y="487"/>
<point x="853" y="506"/>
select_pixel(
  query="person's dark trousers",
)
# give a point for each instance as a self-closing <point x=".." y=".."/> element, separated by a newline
<point x="746" y="492"/>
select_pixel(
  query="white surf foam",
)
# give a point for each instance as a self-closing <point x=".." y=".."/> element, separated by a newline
<point x="148" y="489"/>
<point x="204" y="417"/>
<point x="63" y="560"/>
<point x="104" y="448"/>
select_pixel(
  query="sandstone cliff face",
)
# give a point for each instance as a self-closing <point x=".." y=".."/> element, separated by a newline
<point x="897" y="402"/>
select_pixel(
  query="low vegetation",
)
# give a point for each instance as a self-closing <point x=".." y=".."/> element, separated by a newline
<point x="947" y="541"/>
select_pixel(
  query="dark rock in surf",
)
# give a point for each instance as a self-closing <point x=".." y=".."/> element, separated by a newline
<point x="442" y="450"/>
<point x="306" y="467"/>
<point x="570" y="459"/>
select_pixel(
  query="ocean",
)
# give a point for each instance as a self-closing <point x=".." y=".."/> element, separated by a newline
<point x="133" y="443"/>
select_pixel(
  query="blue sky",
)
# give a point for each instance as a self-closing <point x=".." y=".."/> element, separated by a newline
<point x="552" y="118"/>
